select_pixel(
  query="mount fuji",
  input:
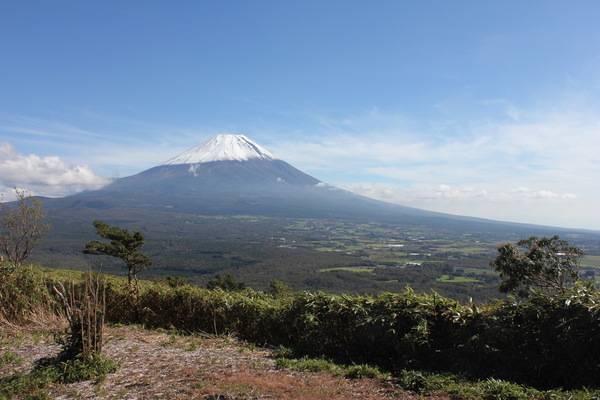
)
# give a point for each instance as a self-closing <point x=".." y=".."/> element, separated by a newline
<point x="227" y="175"/>
<point x="214" y="207"/>
<point x="232" y="175"/>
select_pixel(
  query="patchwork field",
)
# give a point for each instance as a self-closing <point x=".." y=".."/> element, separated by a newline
<point x="334" y="256"/>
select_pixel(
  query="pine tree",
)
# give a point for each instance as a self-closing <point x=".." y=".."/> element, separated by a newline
<point x="124" y="245"/>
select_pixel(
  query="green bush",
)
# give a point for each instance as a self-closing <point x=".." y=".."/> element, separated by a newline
<point x="546" y="342"/>
<point x="53" y="370"/>
<point x="25" y="295"/>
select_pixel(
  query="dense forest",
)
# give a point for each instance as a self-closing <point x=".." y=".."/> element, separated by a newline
<point x="352" y="257"/>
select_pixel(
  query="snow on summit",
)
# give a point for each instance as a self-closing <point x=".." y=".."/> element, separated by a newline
<point x="222" y="148"/>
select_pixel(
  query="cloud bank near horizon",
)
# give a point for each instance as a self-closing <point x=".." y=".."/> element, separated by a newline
<point x="521" y="204"/>
<point x="43" y="176"/>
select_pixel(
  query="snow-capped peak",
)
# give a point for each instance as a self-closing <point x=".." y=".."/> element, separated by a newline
<point x="222" y="148"/>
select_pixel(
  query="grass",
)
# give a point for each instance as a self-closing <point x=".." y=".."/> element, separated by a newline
<point x="431" y="384"/>
<point x="8" y="357"/>
<point x="457" y="388"/>
<point x="448" y="279"/>
<point x="591" y="261"/>
<point x="306" y="364"/>
<point x="482" y="249"/>
<point x="250" y="217"/>
<point x="54" y="370"/>
<point x="479" y="271"/>
<point x="351" y="269"/>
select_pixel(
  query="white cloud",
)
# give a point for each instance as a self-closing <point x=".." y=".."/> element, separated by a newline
<point x="403" y="195"/>
<point x="521" y="204"/>
<point x="43" y="176"/>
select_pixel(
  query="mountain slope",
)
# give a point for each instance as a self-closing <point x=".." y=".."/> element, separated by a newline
<point x="229" y="175"/>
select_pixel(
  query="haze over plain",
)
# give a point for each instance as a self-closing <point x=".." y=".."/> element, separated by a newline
<point x="486" y="109"/>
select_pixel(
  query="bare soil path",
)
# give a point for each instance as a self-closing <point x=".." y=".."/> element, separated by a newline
<point x="159" y="365"/>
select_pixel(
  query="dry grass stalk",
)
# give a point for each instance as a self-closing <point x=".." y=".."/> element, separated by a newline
<point x="85" y="315"/>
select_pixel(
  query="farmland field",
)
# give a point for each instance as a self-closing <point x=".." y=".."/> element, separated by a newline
<point x="334" y="256"/>
<point x="351" y="269"/>
<point x="450" y="279"/>
<point x="591" y="261"/>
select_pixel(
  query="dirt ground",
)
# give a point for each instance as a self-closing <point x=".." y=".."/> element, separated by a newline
<point x="159" y="365"/>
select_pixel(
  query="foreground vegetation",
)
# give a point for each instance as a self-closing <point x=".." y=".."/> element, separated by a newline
<point x="545" y="342"/>
<point x="501" y="350"/>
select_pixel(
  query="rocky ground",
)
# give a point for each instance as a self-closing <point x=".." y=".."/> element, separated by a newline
<point x="160" y="365"/>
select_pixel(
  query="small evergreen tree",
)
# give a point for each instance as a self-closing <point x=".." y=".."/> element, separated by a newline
<point x="226" y="282"/>
<point x="124" y="245"/>
<point x="279" y="288"/>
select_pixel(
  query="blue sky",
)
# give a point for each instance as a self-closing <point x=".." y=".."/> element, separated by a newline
<point x="481" y="108"/>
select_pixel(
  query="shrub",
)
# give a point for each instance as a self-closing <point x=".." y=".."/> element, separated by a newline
<point x="84" y="309"/>
<point x="24" y="295"/>
<point x="547" y="341"/>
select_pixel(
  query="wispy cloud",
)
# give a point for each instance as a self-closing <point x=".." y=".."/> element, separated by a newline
<point x="525" y="164"/>
<point x="42" y="128"/>
<point x="549" y="145"/>
<point x="112" y="146"/>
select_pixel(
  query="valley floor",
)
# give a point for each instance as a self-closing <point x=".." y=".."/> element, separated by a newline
<point x="161" y="365"/>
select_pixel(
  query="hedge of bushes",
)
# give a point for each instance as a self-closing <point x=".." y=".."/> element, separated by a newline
<point x="544" y="342"/>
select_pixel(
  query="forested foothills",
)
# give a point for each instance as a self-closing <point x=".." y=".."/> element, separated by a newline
<point x="334" y="256"/>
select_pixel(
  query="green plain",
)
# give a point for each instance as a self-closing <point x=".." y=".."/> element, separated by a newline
<point x="351" y="269"/>
<point x="447" y="279"/>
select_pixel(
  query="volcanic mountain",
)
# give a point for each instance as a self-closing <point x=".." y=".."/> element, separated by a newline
<point x="232" y="175"/>
<point x="226" y="175"/>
